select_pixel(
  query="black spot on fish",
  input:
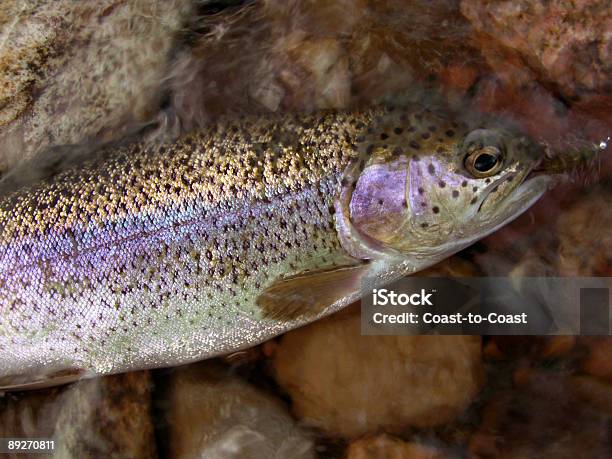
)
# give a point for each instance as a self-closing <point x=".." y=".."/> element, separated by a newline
<point x="370" y="149"/>
<point x="473" y="201"/>
<point x="431" y="169"/>
<point x="397" y="151"/>
<point x="455" y="194"/>
<point x="424" y="225"/>
<point x="426" y="135"/>
<point x="450" y="133"/>
<point x="475" y="189"/>
<point x="464" y="183"/>
<point x="442" y="184"/>
<point x="435" y="209"/>
<point x="421" y="190"/>
<point x="415" y="158"/>
<point x="384" y="136"/>
<point x="414" y="144"/>
<point x="488" y="180"/>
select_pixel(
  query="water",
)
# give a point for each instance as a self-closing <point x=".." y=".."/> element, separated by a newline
<point x="152" y="72"/>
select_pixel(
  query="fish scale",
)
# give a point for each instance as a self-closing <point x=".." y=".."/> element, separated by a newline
<point x="149" y="257"/>
<point x="178" y="241"/>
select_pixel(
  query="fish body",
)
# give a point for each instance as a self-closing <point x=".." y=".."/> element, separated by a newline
<point x="153" y="257"/>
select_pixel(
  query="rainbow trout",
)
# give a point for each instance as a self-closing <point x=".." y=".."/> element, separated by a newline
<point x="153" y="257"/>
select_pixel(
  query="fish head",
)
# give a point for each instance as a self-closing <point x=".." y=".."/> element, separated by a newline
<point x="432" y="186"/>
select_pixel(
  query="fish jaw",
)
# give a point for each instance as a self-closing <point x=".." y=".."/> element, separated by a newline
<point x="524" y="197"/>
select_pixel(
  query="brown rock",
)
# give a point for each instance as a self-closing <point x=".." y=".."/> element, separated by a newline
<point x="349" y="385"/>
<point x="387" y="447"/>
<point x="564" y="42"/>
<point x="327" y="68"/>
<point x="76" y="71"/>
<point x="215" y="415"/>
<point x="301" y="56"/>
<point x="29" y="414"/>
<point x="103" y="417"/>
<point x="598" y="361"/>
<point x="594" y="391"/>
<point x="107" y="417"/>
<point x="585" y="239"/>
<point x="531" y="347"/>
<point x="547" y="415"/>
<point x="540" y="50"/>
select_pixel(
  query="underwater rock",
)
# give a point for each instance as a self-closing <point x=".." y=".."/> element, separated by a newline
<point x="565" y="43"/>
<point x="585" y="245"/>
<point x="107" y="417"/>
<point x="546" y="414"/>
<point x="507" y="347"/>
<point x="325" y="63"/>
<point x="547" y="66"/>
<point x="350" y="385"/>
<point x="215" y="415"/>
<point x="387" y="447"/>
<point x="103" y="417"/>
<point x="551" y="63"/>
<point x="76" y="71"/>
<point x="598" y="359"/>
<point x="301" y="56"/>
<point x="28" y="415"/>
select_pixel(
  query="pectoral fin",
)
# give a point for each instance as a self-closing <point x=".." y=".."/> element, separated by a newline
<point x="310" y="293"/>
<point x="30" y="382"/>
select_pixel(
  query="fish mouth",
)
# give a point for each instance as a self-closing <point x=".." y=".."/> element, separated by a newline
<point x="540" y="168"/>
<point x="518" y="199"/>
<point x="517" y="191"/>
<point x="524" y="196"/>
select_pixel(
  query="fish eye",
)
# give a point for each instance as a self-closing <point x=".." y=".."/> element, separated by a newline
<point x="483" y="161"/>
